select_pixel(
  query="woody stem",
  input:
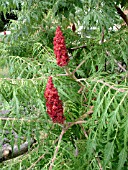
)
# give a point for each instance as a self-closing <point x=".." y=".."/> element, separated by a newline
<point x="71" y="75"/>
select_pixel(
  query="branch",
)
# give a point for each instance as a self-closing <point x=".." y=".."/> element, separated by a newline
<point x="56" y="149"/>
<point x="119" y="65"/>
<point x="9" y="152"/>
<point x="121" y="13"/>
<point x="102" y="36"/>
<point x="68" y="125"/>
<point x="98" y="160"/>
<point x="75" y="48"/>
<point x="65" y="128"/>
<point x="110" y="86"/>
<point x="78" y="67"/>
<point x="41" y="157"/>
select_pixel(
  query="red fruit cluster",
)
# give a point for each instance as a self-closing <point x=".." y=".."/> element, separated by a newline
<point x="53" y="103"/>
<point x="60" y="48"/>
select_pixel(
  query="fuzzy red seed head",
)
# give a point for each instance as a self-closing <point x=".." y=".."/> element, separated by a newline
<point x="53" y="103"/>
<point x="60" y="48"/>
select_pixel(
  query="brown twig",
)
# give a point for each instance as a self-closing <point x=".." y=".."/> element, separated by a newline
<point x="102" y="36"/>
<point x="66" y="127"/>
<point x="98" y="160"/>
<point x="108" y="54"/>
<point x="74" y="123"/>
<point x="71" y="75"/>
<point x="59" y="75"/>
<point x="120" y="65"/>
<point x="56" y="149"/>
<point x="78" y="67"/>
<point x="85" y="133"/>
<point x="121" y="13"/>
<point x="75" y="48"/>
<point x="41" y="157"/>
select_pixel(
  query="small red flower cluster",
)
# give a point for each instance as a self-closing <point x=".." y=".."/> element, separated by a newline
<point x="60" y="48"/>
<point x="53" y="103"/>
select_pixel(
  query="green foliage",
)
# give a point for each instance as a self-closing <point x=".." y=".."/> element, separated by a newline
<point x="95" y="101"/>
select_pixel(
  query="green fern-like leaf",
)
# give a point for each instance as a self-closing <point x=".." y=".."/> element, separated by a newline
<point x="122" y="158"/>
<point x="108" y="152"/>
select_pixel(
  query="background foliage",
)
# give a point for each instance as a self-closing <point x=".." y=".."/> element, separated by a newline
<point x="96" y="52"/>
